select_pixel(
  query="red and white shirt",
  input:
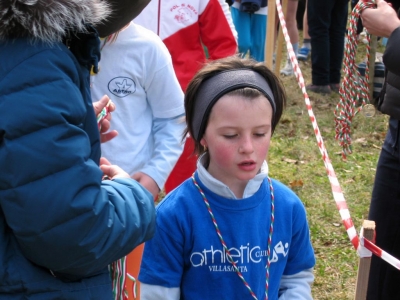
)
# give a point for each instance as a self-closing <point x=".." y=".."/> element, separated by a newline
<point x="185" y="26"/>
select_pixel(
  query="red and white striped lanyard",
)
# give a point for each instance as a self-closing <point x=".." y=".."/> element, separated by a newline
<point x="230" y="259"/>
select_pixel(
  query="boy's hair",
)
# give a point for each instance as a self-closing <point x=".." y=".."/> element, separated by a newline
<point x="215" y="67"/>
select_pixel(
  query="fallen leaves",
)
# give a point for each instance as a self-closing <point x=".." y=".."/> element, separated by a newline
<point x="296" y="183"/>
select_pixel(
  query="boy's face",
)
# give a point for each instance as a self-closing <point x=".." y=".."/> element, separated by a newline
<point x="237" y="136"/>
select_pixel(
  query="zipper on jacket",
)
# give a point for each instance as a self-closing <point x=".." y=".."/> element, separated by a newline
<point x="159" y="17"/>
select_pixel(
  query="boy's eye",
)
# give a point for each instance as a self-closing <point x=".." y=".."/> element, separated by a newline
<point x="229" y="136"/>
<point x="260" y="134"/>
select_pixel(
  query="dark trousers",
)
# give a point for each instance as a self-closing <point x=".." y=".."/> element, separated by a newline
<point x="327" y="27"/>
<point x="384" y="280"/>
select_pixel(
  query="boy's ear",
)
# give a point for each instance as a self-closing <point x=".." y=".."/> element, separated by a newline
<point x="203" y="142"/>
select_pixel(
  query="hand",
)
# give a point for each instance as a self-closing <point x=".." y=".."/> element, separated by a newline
<point x="105" y="123"/>
<point x="148" y="183"/>
<point x="112" y="171"/>
<point x="380" y="21"/>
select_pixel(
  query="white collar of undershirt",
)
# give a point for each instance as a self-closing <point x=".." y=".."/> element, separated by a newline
<point x="222" y="189"/>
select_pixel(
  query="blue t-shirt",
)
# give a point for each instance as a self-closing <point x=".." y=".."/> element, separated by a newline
<point x="186" y="251"/>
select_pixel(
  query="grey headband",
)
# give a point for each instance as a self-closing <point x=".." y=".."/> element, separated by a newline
<point x="222" y="83"/>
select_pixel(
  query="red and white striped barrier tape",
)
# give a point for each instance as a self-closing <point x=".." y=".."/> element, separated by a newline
<point x="336" y="189"/>
<point x="335" y="186"/>
<point x="380" y="253"/>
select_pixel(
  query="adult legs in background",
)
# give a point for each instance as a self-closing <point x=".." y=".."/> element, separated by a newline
<point x="291" y="24"/>
<point x="385" y="210"/>
<point x="242" y="22"/>
<point x="305" y="49"/>
<point x="326" y="26"/>
<point x="306" y="36"/>
<point x="258" y="34"/>
<point x="319" y="22"/>
<point x="337" y="32"/>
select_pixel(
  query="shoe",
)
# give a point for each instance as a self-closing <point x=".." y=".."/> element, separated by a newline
<point x="303" y="53"/>
<point x="287" y="70"/>
<point x="335" y="87"/>
<point x="319" y="89"/>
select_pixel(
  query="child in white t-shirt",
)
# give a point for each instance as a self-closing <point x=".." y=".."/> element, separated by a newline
<point x="136" y="72"/>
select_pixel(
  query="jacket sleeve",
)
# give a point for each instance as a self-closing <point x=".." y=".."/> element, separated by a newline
<point x="215" y="31"/>
<point x="165" y="97"/>
<point x="63" y="216"/>
<point x="168" y="147"/>
<point x="227" y="12"/>
<point x="391" y="56"/>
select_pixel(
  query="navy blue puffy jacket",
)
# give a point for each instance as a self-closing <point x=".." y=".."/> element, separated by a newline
<point x="60" y="225"/>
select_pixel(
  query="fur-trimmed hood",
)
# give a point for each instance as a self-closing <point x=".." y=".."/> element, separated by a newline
<point x="49" y="20"/>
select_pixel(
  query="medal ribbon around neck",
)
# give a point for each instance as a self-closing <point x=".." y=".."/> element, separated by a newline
<point x="271" y="230"/>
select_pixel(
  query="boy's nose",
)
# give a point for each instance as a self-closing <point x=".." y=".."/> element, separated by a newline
<point x="246" y="145"/>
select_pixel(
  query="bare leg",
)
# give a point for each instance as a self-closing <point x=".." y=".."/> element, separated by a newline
<point x="305" y="25"/>
<point x="305" y="49"/>
<point x="291" y="24"/>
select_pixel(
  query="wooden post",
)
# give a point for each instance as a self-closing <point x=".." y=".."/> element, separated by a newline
<point x="372" y="57"/>
<point x="364" y="264"/>
<point x="269" y="41"/>
<point x="281" y="42"/>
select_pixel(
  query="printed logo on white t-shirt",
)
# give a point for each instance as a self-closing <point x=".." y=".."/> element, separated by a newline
<point x="122" y="86"/>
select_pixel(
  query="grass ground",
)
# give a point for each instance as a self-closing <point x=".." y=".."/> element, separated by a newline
<point x="295" y="159"/>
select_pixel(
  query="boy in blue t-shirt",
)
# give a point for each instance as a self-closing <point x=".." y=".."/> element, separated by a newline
<point x="230" y="232"/>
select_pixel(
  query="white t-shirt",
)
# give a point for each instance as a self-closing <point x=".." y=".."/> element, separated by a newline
<point x="136" y="73"/>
